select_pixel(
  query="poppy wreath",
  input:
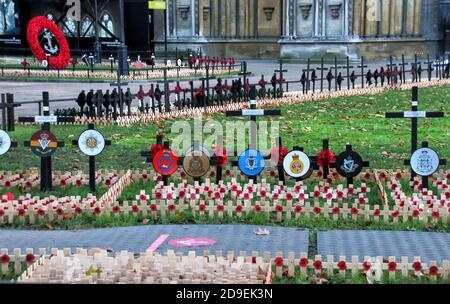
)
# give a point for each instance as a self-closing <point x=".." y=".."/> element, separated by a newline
<point x="34" y="27"/>
<point x="325" y="158"/>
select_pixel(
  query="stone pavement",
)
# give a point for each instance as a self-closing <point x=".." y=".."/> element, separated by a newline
<point x="138" y="239"/>
<point x="428" y="245"/>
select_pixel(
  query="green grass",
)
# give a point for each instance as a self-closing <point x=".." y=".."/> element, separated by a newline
<point x="11" y="275"/>
<point x="58" y="191"/>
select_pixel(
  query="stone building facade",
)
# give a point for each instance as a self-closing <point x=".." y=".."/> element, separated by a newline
<point x="307" y="28"/>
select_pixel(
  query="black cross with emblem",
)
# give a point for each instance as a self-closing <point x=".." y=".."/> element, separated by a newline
<point x="362" y="66"/>
<point x="92" y="185"/>
<point x="391" y="66"/>
<point x="46" y="120"/>
<point x="349" y="173"/>
<point x="414" y="115"/>
<point x="149" y="156"/>
<point x="442" y="162"/>
<point x="253" y="113"/>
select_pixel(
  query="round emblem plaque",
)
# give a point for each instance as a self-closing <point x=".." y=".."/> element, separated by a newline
<point x="251" y="162"/>
<point x="165" y="162"/>
<point x="424" y="162"/>
<point x="43" y="143"/>
<point x="91" y="142"/>
<point x="296" y="164"/>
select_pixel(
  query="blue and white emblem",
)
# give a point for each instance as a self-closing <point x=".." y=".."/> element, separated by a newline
<point x="251" y="162"/>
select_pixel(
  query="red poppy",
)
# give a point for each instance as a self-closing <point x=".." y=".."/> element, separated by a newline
<point x="316" y="194"/>
<point x="135" y="208"/>
<point x="253" y="259"/>
<point x="340" y="194"/>
<point x="4" y="259"/>
<point x="263" y="193"/>
<point x="181" y="194"/>
<point x="382" y="175"/>
<point x="257" y="208"/>
<point x="40" y="212"/>
<point x="434" y="270"/>
<point x="417" y="266"/>
<point x="202" y="208"/>
<point x="238" y="208"/>
<point x="298" y="209"/>
<point x="435" y="214"/>
<point x="78" y="210"/>
<point x="362" y="200"/>
<point x="376" y="212"/>
<point x="220" y="208"/>
<point x="158" y="195"/>
<point x="325" y="158"/>
<point x="354" y="211"/>
<point x="21" y="212"/>
<point x="143" y="197"/>
<point x="342" y="265"/>
<point x="304" y="262"/>
<point x="329" y="196"/>
<point x="155" y="148"/>
<point x="272" y="173"/>
<point x="62" y="183"/>
<point x="60" y="212"/>
<point x="392" y="266"/>
<point x="116" y="209"/>
<point x="316" y="210"/>
<point x="171" y="208"/>
<point x="29" y="258"/>
<point x="279" y="262"/>
<point x="289" y="197"/>
<point x="317" y="265"/>
<point x="107" y="182"/>
<point x="398" y="175"/>
<point x="395" y="214"/>
<point x="367" y="175"/>
<point x="97" y="210"/>
<point x="279" y="208"/>
<point x="336" y="210"/>
<point x="367" y="266"/>
<point x="393" y="187"/>
<point x="415" y="213"/>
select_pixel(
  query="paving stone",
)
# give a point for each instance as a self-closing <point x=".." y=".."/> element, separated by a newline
<point x="428" y="245"/>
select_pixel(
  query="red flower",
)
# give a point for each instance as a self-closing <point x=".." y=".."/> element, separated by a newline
<point x="362" y="200"/>
<point x="135" y="208"/>
<point x="367" y="266"/>
<point x="417" y="266"/>
<point x="336" y="210"/>
<point x="298" y="209"/>
<point x="435" y="214"/>
<point x="316" y="210"/>
<point x="279" y="262"/>
<point x="415" y="213"/>
<point x="116" y="209"/>
<point x="398" y="175"/>
<point x="304" y="262"/>
<point x="238" y="208"/>
<point x="153" y="207"/>
<point x="355" y="210"/>
<point x="263" y="193"/>
<point x="279" y="208"/>
<point x="21" y="212"/>
<point x="434" y="270"/>
<point x="212" y="174"/>
<point x="257" y="208"/>
<point x="272" y="173"/>
<point x="29" y="258"/>
<point x="78" y="210"/>
<point x="221" y="156"/>
<point x="325" y="158"/>
<point x="181" y="194"/>
<point x="60" y="212"/>
<point x="342" y="265"/>
<point x="4" y="259"/>
<point x="182" y="174"/>
<point x="395" y="214"/>
<point x="171" y="208"/>
<point x="155" y="148"/>
<point x="40" y="212"/>
<point x="107" y="182"/>
<point x="316" y="194"/>
<point x="97" y="210"/>
<point x="289" y="197"/>
<point x="376" y="212"/>
<point x="317" y="265"/>
<point x="392" y="266"/>
<point x="253" y="260"/>
<point x="158" y="195"/>
<point x="220" y="208"/>
<point x="202" y="208"/>
<point x="34" y="27"/>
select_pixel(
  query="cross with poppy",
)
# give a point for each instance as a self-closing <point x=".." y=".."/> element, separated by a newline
<point x="327" y="166"/>
<point x="220" y="158"/>
<point x="149" y="154"/>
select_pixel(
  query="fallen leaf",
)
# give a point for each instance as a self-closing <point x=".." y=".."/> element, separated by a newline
<point x="49" y="226"/>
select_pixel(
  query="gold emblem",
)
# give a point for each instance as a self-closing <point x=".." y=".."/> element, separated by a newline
<point x="91" y="142"/>
<point x="296" y="165"/>
<point x="196" y="164"/>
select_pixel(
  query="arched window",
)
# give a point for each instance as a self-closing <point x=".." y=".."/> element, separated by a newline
<point x="106" y="21"/>
<point x="70" y="25"/>
<point x="88" y="27"/>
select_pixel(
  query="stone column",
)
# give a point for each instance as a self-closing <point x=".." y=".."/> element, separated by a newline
<point x="193" y="17"/>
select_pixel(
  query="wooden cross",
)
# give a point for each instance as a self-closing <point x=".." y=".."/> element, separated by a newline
<point x="253" y="113"/>
<point x="7" y="106"/>
<point x="414" y="115"/>
<point x="362" y="66"/>
<point x="281" y="71"/>
<point x="46" y="120"/>
<point x="442" y="162"/>
<point x="348" y="67"/>
<point x="321" y="69"/>
<point x="91" y="161"/>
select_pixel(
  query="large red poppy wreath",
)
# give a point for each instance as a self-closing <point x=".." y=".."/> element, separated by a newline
<point x="37" y="25"/>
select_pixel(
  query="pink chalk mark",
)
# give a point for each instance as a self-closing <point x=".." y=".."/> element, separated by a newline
<point x="158" y="242"/>
<point x="192" y="242"/>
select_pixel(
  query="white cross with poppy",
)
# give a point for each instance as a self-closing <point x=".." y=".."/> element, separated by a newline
<point x="361" y="200"/>
<point x="301" y="196"/>
<point x="330" y="195"/>
<point x="246" y="196"/>
<point x="193" y="195"/>
<point x="316" y="194"/>
<point x="142" y="196"/>
<point x="363" y="189"/>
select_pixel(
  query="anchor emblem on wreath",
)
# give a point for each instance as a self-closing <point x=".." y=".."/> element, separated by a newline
<point x="49" y="46"/>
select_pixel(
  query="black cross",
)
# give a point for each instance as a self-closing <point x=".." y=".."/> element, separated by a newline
<point x="429" y="67"/>
<point x="414" y="115"/>
<point x="207" y="79"/>
<point x="166" y="92"/>
<point x="321" y="69"/>
<point x="245" y="73"/>
<point x="348" y="67"/>
<point x="415" y="69"/>
<point x="98" y="102"/>
<point x="149" y="157"/>
<point x="307" y="70"/>
<point x="326" y="169"/>
<point x="281" y="71"/>
<point x="91" y="161"/>
<point x="442" y="162"/>
<point x="440" y="65"/>
<point x="336" y="68"/>
<point x="7" y="106"/>
<point x="253" y="113"/>
<point x="403" y="64"/>
<point x="348" y="148"/>
<point x="362" y="66"/>
<point x="46" y="162"/>
<point x="212" y="161"/>
<point x="391" y="66"/>
<point x="119" y="85"/>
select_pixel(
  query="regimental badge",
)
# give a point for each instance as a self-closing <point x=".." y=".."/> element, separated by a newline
<point x="196" y="164"/>
<point x="251" y="162"/>
<point x="296" y="164"/>
<point x="5" y="142"/>
<point x="349" y="164"/>
<point x="425" y="162"/>
<point x="165" y="162"/>
<point x="91" y="142"/>
<point x="43" y="143"/>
